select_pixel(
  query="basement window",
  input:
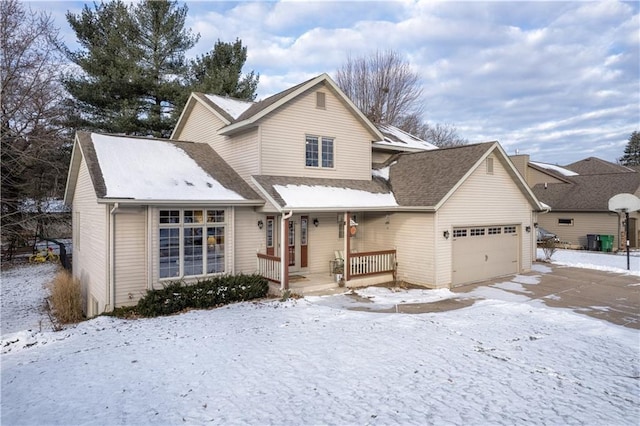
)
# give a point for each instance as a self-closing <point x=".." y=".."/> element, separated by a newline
<point x="565" y="222"/>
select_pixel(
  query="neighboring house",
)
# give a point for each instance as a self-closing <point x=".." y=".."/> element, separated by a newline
<point x="306" y="205"/>
<point x="578" y="196"/>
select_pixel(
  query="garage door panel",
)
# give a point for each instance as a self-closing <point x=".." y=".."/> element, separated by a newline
<point x="484" y="253"/>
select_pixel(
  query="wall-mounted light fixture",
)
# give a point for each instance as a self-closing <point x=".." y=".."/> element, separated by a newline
<point x="528" y="229"/>
<point x="445" y="234"/>
<point x="260" y="224"/>
<point x="316" y="222"/>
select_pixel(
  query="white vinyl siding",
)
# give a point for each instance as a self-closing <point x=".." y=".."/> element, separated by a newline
<point x="484" y="200"/>
<point x="90" y="253"/>
<point x="240" y="151"/>
<point x="248" y="239"/>
<point x="283" y="135"/>
<point x="130" y="255"/>
<point x="603" y="223"/>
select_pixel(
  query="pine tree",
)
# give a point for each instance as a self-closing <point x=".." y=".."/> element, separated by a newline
<point x="219" y="72"/>
<point x="631" y="155"/>
<point x="164" y="41"/>
<point x="107" y="92"/>
<point x="133" y="66"/>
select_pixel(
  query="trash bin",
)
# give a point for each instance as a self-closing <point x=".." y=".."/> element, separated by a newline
<point x="606" y="242"/>
<point x="593" y="242"/>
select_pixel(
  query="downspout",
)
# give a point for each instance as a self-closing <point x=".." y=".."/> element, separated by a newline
<point x="111" y="293"/>
<point x="284" y="251"/>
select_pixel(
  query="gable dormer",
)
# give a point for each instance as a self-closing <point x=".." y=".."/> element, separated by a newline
<point x="309" y="130"/>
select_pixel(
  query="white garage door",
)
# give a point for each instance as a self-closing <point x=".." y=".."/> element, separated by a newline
<point x="481" y="253"/>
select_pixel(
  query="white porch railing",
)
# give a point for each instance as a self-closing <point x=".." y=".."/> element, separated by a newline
<point x="269" y="267"/>
<point x="372" y="263"/>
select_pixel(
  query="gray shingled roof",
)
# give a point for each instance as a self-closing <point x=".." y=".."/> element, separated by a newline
<point x="419" y="179"/>
<point x="596" y="166"/>
<point x="587" y="192"/>
<point x="203" y="155"/>
<point x="259" y="106"/>
<point x="424" y="178"/>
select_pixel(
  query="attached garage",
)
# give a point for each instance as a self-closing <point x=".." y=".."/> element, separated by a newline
<point x="484" y="252"/>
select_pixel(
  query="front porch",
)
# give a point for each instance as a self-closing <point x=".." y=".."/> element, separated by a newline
<point x="364" y="269"/>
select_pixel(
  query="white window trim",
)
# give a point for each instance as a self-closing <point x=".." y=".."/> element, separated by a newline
<point x="181" y="225"/>
<point x="320" y="148"/>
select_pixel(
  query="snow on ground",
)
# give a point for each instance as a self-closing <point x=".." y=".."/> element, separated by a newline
<point x="611" y="262"/>
<point x="23" y="297"/>
<point x="313" y="361"/>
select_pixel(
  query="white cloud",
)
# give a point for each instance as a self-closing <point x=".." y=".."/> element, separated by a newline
<point x="555" y="79"/>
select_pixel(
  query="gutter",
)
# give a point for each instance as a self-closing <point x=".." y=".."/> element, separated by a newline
<point x="132" y="201"/>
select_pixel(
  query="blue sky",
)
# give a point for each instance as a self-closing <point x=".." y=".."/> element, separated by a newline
<point x="557" y="80"/>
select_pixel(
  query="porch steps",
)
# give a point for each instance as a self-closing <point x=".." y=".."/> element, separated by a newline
<point x="303" y="290"/>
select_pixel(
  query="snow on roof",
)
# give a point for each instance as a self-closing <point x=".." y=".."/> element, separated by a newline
<point x="234" y="107"/>
<point x="151" y="169"/>
<point x="561" y="170"/>
<point x="396" y="137"/>
<point x="383" y="172"/>
<point x="317" y="196"/>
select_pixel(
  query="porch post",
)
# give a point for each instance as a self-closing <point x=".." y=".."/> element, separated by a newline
<point x="347" y="246"/>
<point x="284" y="252"/>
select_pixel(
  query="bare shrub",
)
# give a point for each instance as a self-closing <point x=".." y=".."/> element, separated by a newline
<point x="66" y="298"/>
<point x="548" y="248"/>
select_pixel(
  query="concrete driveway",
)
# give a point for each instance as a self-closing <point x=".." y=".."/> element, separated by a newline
<point x="605" y="295"/>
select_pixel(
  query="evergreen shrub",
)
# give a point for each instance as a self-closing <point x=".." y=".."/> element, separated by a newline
<point x="209" y="293"/>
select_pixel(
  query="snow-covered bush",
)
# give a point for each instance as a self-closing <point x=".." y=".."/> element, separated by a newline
<point x="209" y="293"/>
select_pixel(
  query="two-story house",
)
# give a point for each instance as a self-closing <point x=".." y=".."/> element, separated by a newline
<point x="285" y="187"/>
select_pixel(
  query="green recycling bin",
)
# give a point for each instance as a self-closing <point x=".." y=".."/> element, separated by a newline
<point x="606" y="242"/>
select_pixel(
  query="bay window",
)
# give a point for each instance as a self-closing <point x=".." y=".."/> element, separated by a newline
<point x="191" y="242"/>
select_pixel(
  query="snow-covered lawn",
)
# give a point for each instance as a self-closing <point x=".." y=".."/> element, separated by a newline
<point x="502" y="360"/>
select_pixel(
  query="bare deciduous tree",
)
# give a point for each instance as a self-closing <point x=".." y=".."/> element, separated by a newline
<point x="387" y="91"/>
<point x="33" y="142"/>
<point x="382" y="86"/>
<point x="443" y="135"/>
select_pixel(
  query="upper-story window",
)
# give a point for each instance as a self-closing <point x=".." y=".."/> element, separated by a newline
<point x="319" y="152"/>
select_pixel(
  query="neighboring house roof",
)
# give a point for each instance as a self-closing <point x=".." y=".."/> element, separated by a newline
<point x="144" y="170"/>
<point x="397" y="139"/>
<point x="421" y="180"/>
<point x="596" y="166"/>
<point x="553" y="168"/>
<point x="227" y="109"/>
<point x="587" y="192"/>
